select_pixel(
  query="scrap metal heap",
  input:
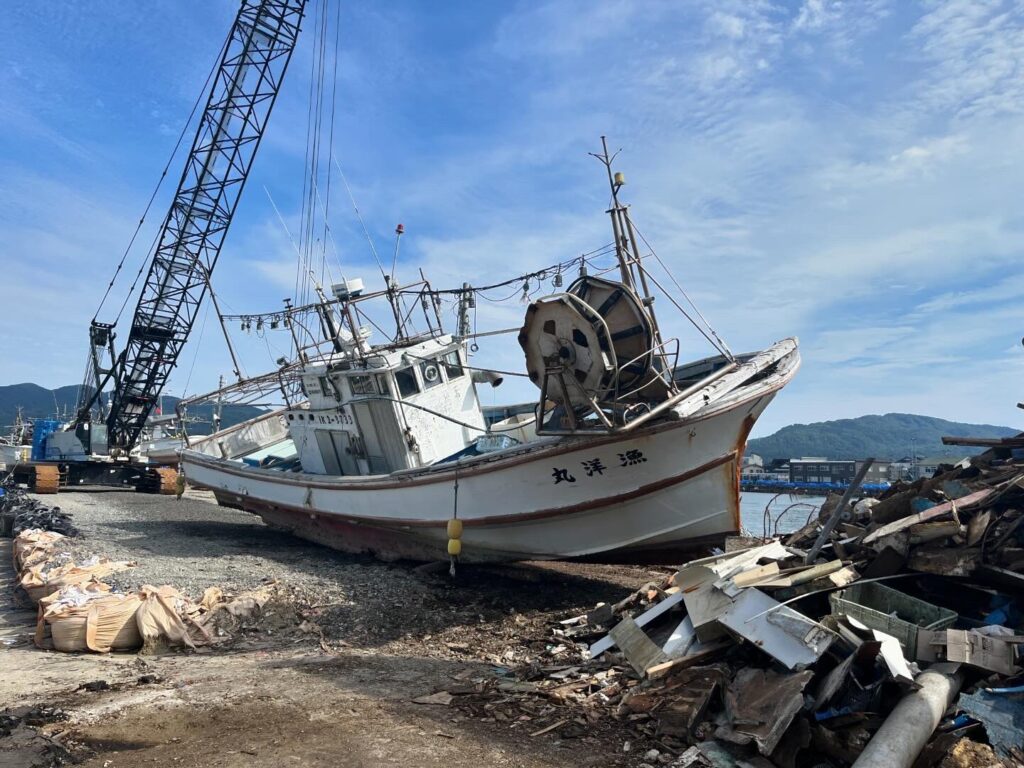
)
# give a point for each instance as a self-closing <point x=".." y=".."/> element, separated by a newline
<point x="898" y="644"/>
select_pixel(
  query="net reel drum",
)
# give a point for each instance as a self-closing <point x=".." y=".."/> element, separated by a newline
<point x="592" y="346"/>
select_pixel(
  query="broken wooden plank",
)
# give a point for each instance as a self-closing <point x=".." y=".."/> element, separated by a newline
<point x="929" y="514"/>
<point x="606" y="642"/>
<point x="795" y="576"/>
<point x="639" y="650"/>
<point x="844" y="576"/>
<point x="667" y="667"/>
<point x="949" y="561"/>
<point x="921" y="533"/>
<point x="754" y="575"/>
<point x="685" y="706"/>
<point x="556" y="724"/>
<point x="815" y="572"/>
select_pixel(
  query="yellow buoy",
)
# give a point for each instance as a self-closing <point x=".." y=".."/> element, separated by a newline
<point x="454" y="547"/>
<point x="454" y="528"/>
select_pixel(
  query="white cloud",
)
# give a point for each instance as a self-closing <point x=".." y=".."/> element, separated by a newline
<point x="972" y="51"/>
<point x="842" y="171"/>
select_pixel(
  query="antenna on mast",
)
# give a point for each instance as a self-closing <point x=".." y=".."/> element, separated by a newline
<point x="615" y="181"/>
<point x="619" y="218"/>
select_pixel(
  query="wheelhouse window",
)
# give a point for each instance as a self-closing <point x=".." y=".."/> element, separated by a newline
<point x="452" y="365"/>
<point x="362" y="385"/>
<point x="431" y="372"/>
<point x="327" y="388"/>
<point x="406" y="380"/>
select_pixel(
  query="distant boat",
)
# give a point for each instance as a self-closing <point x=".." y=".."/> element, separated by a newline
<point x="385" y="448"/>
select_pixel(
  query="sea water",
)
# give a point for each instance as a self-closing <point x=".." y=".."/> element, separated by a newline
<point x="787" y="511"/>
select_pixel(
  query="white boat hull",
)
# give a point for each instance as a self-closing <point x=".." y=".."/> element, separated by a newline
<point x="677" y="492"/>
<point x="669" y="488"/>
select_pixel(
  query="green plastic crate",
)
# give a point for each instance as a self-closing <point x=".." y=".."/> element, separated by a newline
<point x="890" y="611"/>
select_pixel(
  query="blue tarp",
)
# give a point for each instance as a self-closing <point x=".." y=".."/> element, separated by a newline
<point x="41" y="429"/>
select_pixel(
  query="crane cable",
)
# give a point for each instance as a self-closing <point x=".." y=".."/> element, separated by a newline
<point x="314" y="117"/>
<point x="156" y="190"/>
<point x="330" y="141"/>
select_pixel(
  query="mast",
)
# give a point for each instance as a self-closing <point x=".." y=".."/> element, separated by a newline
<point x="627" y="252"/>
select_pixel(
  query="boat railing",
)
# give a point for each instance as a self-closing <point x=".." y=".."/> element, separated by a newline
<point x="658" y="351"/>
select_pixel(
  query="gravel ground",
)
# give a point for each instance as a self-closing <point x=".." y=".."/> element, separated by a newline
<point x="358" y="600"/>
<point x="342" y="694"/>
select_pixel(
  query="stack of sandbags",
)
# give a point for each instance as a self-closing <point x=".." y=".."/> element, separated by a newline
<point x="89" y="618"/>
<point x="49" y="576"/>
<point x="33" y="546"/>
<point x="165" y="619"/>
<point x="78" y="612"/>
<point x="92" y="618"/>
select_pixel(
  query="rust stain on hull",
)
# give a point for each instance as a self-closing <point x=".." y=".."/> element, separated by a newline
<point x="741" y="446"/>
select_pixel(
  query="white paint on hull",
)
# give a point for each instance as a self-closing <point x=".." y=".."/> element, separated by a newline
<point x="662" y="486"/>
<point x="679" y="485"/>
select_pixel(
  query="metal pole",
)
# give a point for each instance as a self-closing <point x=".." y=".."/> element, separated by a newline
<point x="837" y="513"/>
<point x="907" y="729"/>
<point x="224" y="328"/>
<point x="464" y="320"/>
<point x="658" y="343"/>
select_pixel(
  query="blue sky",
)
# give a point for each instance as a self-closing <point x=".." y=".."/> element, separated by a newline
<point x="847" y="172"/>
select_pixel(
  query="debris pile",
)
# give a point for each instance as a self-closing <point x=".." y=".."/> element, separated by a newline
<point x="79" y="611"/>
<point x="20" y="512"/>
<point x="884" y="633"/>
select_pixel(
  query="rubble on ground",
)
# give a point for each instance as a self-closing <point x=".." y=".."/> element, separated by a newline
<point x="20" y="512"/>
<point x="898" y="644"/>
<point x="79" y="611"/>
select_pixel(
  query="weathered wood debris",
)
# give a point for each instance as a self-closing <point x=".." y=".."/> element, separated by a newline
<point x="898" y="644"/>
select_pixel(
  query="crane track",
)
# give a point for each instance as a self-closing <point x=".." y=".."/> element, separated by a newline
<point x="47" y="478"/>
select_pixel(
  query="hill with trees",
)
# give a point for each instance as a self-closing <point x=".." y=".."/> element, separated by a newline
<point x="891" y="436"/>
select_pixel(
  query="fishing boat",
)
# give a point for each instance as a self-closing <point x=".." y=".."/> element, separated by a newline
<point x="16" y="446"/>
<point x="385" y="448"/>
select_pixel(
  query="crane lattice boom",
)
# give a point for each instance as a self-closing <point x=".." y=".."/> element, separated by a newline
<point x="244" y="89"/>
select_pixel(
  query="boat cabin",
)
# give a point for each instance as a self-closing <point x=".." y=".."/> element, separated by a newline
<point x="386" y="410"/>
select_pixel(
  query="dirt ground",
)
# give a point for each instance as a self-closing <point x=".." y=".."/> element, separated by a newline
<point x="338" y="692"/>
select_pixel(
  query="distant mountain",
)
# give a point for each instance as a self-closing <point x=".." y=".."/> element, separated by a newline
<point x="38" y="402"/>
<point x="883" y="437"/>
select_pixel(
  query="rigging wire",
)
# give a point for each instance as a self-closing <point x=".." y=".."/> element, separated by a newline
<point x="312" y="240"/>
<point x="313" y="111"/>
<point x="195" y="356"/>
<point x="721" y="345"/>
<point x="359" y="217"/>
<point x="330" y="134"/>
